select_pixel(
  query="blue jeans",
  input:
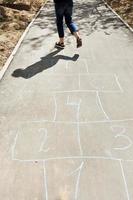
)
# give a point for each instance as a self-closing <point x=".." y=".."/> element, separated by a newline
<point x="64" y="10"/>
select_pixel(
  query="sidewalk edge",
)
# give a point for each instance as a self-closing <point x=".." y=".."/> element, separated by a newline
<point x="10" y="58"/>
<point x="126" y="24"/>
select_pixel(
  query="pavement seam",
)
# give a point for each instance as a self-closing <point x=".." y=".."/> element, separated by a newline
<point x="10" y="58"/>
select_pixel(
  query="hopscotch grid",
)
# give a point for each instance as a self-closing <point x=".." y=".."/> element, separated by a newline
<point x="91" y="90"/>
<point x="79" y="157"/>
<point x="85" y="64"/>
<point x="16" y="138"/>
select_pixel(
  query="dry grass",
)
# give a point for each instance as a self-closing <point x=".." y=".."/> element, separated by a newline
<point x="124" y="8"/>
<point x="13" y="24"/>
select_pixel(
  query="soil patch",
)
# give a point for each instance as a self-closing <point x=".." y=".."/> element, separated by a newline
<point x="14" y="18"/>
<point x="124" y="8"/>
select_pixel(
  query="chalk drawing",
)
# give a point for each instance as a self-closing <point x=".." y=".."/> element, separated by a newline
<point x="14" y="145"/>
<point x="55" y="112"/>
<point x="99" y="103"/>
<point x="120" y="131"/>
<point x="86" y="91"/>
<point x="44" y="133"/>
<point x="72" y="157"/>
<point x="79" y="169"/>
<point x="117" y="80"/>
<point x="80" y="122"/>
<point x="79" y="81"/>
<point x="98" y="87"/>
<point x="124" y="179"/>
<point x="126" y="146"/>
<point x="45" y="181"/>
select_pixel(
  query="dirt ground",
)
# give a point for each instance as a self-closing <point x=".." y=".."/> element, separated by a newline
<point x="13" y="22"/>
<point x="124" y="8"/>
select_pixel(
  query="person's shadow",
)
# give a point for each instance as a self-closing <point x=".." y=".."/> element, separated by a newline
<point x="46" y="62"/>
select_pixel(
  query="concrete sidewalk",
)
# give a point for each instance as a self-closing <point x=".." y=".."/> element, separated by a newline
<point x="66" y="117"/>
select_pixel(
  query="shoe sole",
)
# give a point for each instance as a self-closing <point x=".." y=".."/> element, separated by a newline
<point x="58" y="46"/>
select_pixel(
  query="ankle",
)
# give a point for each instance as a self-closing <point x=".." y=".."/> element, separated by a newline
<point x="61" y="41"/>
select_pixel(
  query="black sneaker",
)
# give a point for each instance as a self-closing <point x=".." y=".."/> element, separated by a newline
<point x="79" y="42"/>
<point x="59" y="45"/>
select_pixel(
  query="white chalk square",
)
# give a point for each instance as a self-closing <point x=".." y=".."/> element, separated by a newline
<point x="84" y="179"/>
<point x="118" y="106"/>
<point x="78" y="107"/>
<point x="101" y="83"/>
<point x="34" y="105"/>
<point x="118" y="137"/>
<point x="40" y="141"/>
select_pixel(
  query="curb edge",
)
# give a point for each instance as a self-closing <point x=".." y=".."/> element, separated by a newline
<point x="126" y="24"/>
<point x="10" y="58"/>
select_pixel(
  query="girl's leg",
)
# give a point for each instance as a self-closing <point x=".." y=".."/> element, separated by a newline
<point x="71" y="25"/>
<point x="59" y="9"/>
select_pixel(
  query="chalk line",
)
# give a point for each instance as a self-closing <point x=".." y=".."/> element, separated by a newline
<point x="86" y="66"/>
<point x="78" y="180"/>
<point x="125" y="147"/>
<point x="80" y="122"/>
<point x="79" y="140"/>
<point x="115" y="127"/>
<point x="71" y="157"/>
<point x="121" y="131"/>
<point x="78" y="130"/>
<point x="77" y="104"/>
<point x="14" y="145"/>
<point x="79" y="82"/>
<point x="101" y="106"/>
<point x="118" y="83"/>
<point x="45" y="135"/>
<point x="55" y="112"/>
<point x="79" y="169"/>
<point x="124" y="178"/>
<point x="86" y="91"/>
<point x="45" y="181"/>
